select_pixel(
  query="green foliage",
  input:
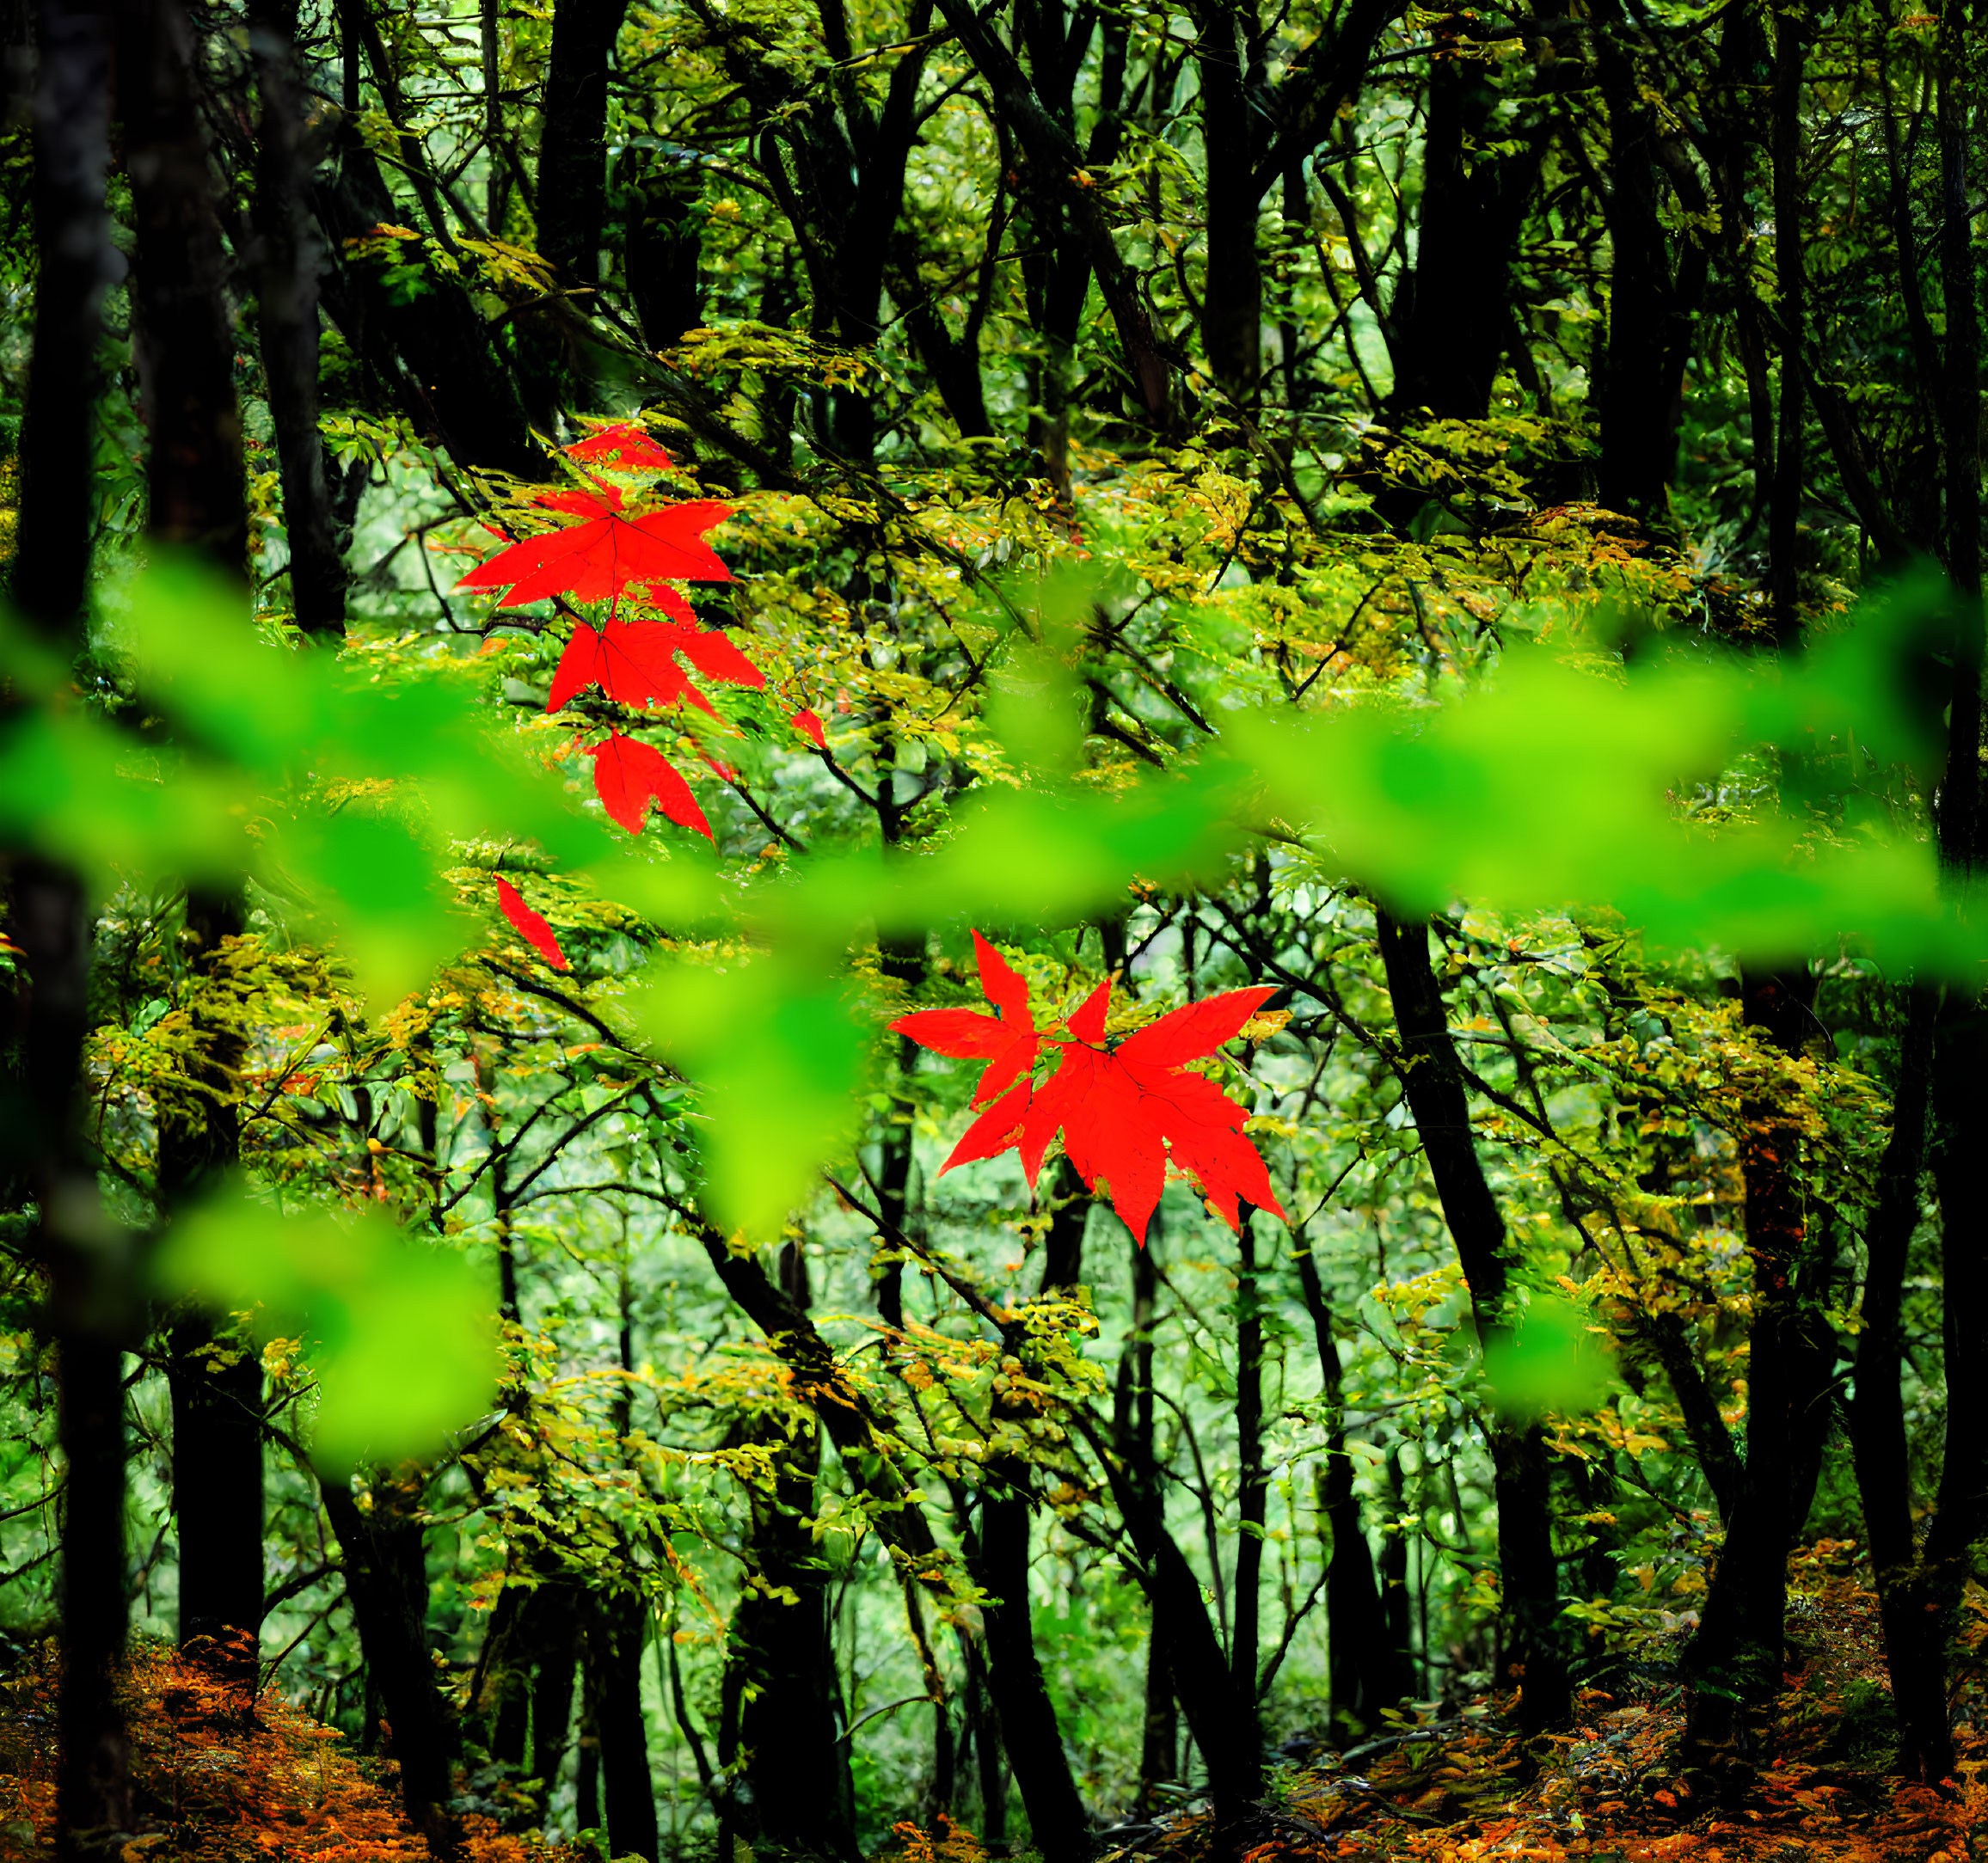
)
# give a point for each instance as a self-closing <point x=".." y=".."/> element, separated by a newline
<point x="397" y="1333"/>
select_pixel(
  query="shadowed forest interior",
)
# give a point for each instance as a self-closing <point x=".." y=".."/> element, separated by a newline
<point x="941" y="931"/>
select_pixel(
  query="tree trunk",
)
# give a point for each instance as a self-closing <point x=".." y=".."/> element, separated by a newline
<point x="1252" y="1484"/>
<point x="617" y="1627"/>
<point x="386" y="1578"/>
<point x="1133" y="1429"/>
<point x="789" y="1720"/>
<point x="1784" y="517"/>
<point x="286" y="316"/>
<point x="185" y="350"/>
<point x="1735" y="1659"/>
<point x="1878" y="1437"/>
<point x="573" y="145"/>
<point x="1369" y="1672"/>
<point x="1533" y="1655"/>
<point x="1474" y="204"/>
<point x="997" y="1556"/>
<point x="93" y="1278"/>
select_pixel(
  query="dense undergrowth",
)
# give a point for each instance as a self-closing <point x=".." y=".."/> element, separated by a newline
<point x="226" y="1775"/>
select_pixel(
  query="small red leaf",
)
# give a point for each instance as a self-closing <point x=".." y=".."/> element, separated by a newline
<point x="634" y="663"/>
<point x="809" y="722"/>
<point x="965" y="1034"/>
<point x="530" y="926"/>
<point x="1198" y="1029"/>
<point x="630" y="775"/>
<point x="636" y="451"/>
<point x="595" y="560"/>
<point x="993" y="1132"/>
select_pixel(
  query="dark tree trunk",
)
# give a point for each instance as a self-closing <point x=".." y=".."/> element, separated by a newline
<point x="1368" y="1669"/>
<point x="997" y="1556"/>
<point x="1232" y="299"/>
<point x="287" y="305"/>
<point x="617" y="1627"/>
<point x="216" y="1393"/>
<point x="552" y="1687"/>
<point x="1878" y="1437"/>
<point x="789" y="1718"/>
<point x="386" y="1576"/>
<point x="432" y="350"/>
<point x="197" y="500"/>
<point x="1784" y="520"/>
<point x="1922" y="1615"/>
<point x="664" y="248"/>
<point x="75" y="263"/>
<point x="1474" y="204"/>
<point x="216" y="1382"/>
<point x="1132" y="1417"/>
<point x="1253" y="1483"/>
<point x="1533" y="1655"/>
<point x="1735" y="1659"/>
<point x="93" y="1278"/>
<point x="1649" y="310"/>
<point x="572" y="148"/>
<point x="197" y="494"/>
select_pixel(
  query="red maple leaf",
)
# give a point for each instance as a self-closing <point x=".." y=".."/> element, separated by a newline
<point x="531" y="927"/>
<point x="630" y="776"/>
<point x="596" y="559"/>
<point x="1006" y="1042"/>
<point x="1126" y="1113"/>
<point x="810" y="723"/>
<point x="637" y="452"/>
<point x="635" y="663"/>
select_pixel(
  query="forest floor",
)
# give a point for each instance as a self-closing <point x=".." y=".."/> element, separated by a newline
<point x="218" y="1786"/>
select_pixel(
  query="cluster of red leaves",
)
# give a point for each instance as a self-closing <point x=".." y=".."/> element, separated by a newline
<point x="1126" y="1112"/>
<point x="612" y="553"/>
<point x="220" y="1778"/>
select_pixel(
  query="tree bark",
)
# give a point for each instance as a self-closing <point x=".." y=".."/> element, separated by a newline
<point x="789" y="1718"/>
<point x="1253" y="1483"/>
<point x="93" y="1277"/>
<point x="617" y="1627"/>
<point x="1879" y="1438"/>
<point x="387" y="1580"/>
<point x="1369" y="1673"/>
<point x="197" y="494"/>
<point x="573" y="144"/>
<point x="1735" y="1659"/>
<point x="291" y="258"/>
<point x="1533" y="1658"/>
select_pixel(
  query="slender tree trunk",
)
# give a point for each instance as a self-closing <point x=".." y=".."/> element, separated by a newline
<point x="1735" y="1659"/>
<point x="1473" y="207"/>
<point x="286" y="304"/>
<point x="1534" y="1659"/>
<point x="197" y="494"/>
<point x="1878" y="1437"/>
<point x="1369" y="1672"/>
<point x="197" y="500"/>
<point x="997" y="1556"/>
<point x="572" y="148"/>
<point x="617" y="1627"/>
<point x="789" y="1718"/>
<point x="1133" y="1430"/>
<point x="1960" y="1071"/>
<point x="387" y="1580"/>
<point x="1784" y="520"/>
<point x="1253" y="1492"/>
<point x="93" y="1277"/>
